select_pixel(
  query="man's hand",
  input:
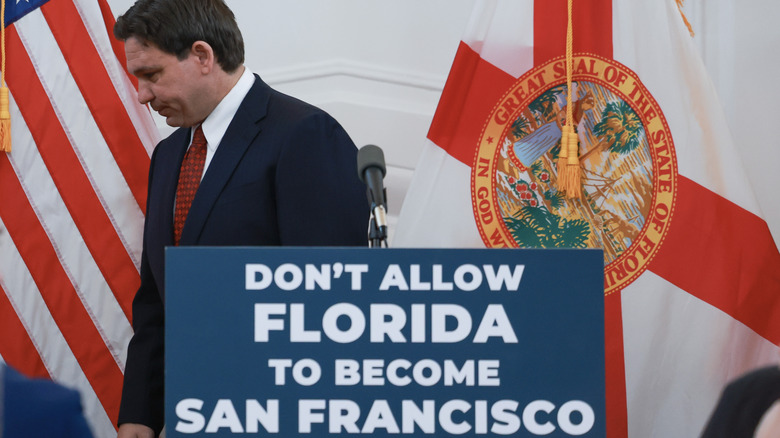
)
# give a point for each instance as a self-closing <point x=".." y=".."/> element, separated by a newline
<point x="130" y="430"/>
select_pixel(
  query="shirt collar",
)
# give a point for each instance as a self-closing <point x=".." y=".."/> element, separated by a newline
<point x="216" y="124"/>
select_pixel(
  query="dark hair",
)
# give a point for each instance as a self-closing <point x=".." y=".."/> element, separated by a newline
<point x="174" y="25"/>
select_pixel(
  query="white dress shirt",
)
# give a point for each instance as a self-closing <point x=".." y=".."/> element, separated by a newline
<point x="217" y="122"/>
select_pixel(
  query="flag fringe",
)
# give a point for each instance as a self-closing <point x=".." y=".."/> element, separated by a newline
<point x="5" y="121"/>
<point x="5" y="113"/>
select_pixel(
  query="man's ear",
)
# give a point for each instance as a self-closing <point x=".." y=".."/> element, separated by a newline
<point x="204" y="54"/>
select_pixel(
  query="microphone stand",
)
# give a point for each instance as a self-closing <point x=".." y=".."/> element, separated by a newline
<point x="371" y="170"/>
<point x="377" y="235"/>
<point x="374" y="241"/>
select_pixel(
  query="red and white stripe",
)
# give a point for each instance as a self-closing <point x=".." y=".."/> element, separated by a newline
<point x="708" y="307"/>
<point x="72" y="199"/>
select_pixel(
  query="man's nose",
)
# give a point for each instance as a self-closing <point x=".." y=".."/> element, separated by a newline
<point x="145" y="94"/>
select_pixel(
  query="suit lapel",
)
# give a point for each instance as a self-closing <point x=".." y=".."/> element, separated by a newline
<point x="179" y="141"/>
<point x="242" y="131"/>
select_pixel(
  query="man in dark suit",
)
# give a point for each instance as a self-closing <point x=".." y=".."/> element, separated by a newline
<point x="275" y="170"/>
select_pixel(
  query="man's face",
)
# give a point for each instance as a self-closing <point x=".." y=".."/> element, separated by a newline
<point x="171" y="86"/>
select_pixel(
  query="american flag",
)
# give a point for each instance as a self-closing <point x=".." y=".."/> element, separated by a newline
<point x="72" y="200"/>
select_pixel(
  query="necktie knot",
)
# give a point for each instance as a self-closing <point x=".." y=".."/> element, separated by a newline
<point x="189" y="180"/>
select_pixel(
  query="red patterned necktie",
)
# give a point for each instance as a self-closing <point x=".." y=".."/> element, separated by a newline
<point x="189" y="180"/>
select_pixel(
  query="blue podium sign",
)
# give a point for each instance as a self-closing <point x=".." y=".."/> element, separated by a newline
<point x="385" y="342"/>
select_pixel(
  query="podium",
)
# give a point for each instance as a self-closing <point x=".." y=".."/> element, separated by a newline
<point x="385" y="342"/>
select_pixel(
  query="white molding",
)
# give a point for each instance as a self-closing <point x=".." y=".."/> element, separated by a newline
<point x="389" y="107"/>
<point x="345" y="67"/>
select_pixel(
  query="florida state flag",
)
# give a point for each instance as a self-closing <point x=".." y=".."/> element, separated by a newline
<point x="692" y="275"/>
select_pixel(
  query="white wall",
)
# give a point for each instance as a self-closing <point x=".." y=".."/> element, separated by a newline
<point x="756" y="117"/>
<point x="739" y="45"/>
<point x="379" y="66"/>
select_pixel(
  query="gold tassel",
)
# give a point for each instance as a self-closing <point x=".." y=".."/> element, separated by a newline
<point x="572" y="183"/>
<point x="5" y="113"/>
<point x="563" y="158"/>
<point x="568" y="165"/>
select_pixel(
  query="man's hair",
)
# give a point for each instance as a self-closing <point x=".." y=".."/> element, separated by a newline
<point x="174" y="25"/>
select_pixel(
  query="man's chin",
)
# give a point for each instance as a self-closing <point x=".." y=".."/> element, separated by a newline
<point x="171" y="118"/>
<point x="174" y="122"/>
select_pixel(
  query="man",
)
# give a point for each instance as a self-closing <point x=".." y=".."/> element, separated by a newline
<point x="38" y="408"/>
<point x="747" y="404"/>
<point x="276" y="171"/>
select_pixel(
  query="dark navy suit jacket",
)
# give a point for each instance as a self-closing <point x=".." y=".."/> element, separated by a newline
<point x="285" y="173"/>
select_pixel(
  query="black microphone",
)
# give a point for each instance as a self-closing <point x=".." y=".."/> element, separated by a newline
<point x="371" y="170"/>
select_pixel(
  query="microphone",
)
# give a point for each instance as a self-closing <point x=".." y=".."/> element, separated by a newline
<point x="371" y="170"/>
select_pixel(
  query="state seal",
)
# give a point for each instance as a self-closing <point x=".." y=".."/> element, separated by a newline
<point x="627" y="157"/>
